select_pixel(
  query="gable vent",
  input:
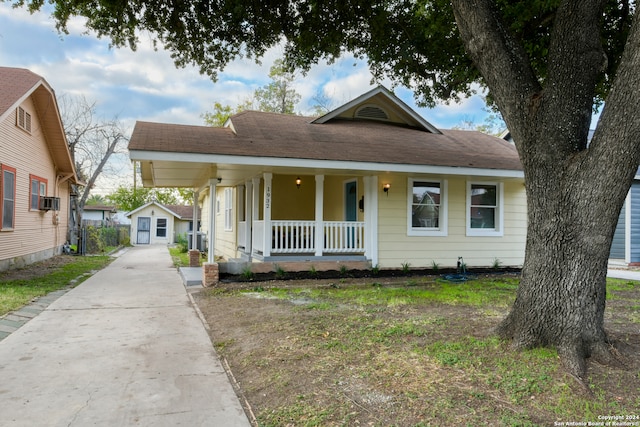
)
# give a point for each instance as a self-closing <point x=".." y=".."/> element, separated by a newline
<point x="24" y="119"/>
<point x="371" y="112"/>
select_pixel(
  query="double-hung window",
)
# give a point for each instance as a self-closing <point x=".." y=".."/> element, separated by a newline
<point x="8" y="197"/>
<point x="38" y="189"/>
<point x="427" y="207"/>
<point x="484" y="209"/>
<point x="228" y="209"/>
<point x="161" y="227"/>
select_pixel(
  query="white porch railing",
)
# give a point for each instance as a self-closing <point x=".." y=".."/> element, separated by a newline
<point x="257" y="236"/>
<point x="292" y="237"/>
<point x="242" y="233"/>
<point x="343" y="236"/>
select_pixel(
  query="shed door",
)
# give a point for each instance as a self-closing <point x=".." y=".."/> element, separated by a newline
<point x="144" y="230"/>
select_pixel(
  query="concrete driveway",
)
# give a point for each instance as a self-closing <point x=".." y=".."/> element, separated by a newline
<point x="124" y="348"/>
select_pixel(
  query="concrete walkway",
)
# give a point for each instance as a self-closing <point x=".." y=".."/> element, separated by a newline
<point x="124" y="348"/>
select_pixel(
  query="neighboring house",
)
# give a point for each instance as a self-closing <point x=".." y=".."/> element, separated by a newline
<point x="98" y="214"/>
<point x="625" y="248"/>
<point x="154" y="223"/>
<point x="36" y="170"/>
<point x="371" y="180"/>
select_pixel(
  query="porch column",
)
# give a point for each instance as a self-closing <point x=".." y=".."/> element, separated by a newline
<point x="255" y="206"/>
<point x="371" y="218"/>
<point x="194" y="231"/>
<point x="268" y="176"/>
<point x="248" y="217"/>
<point x="319" y="214"/>
<point x="212" y="223"/>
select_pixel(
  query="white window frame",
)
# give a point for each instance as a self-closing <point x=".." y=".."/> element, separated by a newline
<point x="165" y="228"/>
<point x="228" y="209"/>
<point x="442" y="229"/>
<point x="23" y="119"/>
<point x="498" y="231"/>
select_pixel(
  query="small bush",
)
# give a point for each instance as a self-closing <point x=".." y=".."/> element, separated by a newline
<point x="182" y="243"/>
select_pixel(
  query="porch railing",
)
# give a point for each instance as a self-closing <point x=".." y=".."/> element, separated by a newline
<point x="343" y="236"/>
<point x="293" y="236"/>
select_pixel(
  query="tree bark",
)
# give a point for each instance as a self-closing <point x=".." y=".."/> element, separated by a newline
<point x="575" y="188"/>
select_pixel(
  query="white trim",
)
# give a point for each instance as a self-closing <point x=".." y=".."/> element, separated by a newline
<point x="169" y="211"/>
<point x="442" y="229"/>
<point x="627" y="227"/>
<point x="323" y="164"/>
<point x="498" y="231"/>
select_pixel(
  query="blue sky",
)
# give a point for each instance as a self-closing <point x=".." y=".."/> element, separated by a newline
<point x="146" y="85"/>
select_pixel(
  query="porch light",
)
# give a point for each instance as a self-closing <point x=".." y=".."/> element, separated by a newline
<point x="298" y="182"/>
<point x="386" y="188"/>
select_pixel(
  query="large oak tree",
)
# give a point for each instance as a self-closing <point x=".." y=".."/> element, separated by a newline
<point x="546" y="64"/>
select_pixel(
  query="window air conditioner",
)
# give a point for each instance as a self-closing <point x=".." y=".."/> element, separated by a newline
<point x="49" y="203"/>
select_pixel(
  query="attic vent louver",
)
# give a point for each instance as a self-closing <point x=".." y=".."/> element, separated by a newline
<point x="371" y="112"/>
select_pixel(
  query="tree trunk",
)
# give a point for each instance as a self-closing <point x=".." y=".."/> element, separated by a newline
<point x="561" y="297"/>
<point x="575" y="187"/>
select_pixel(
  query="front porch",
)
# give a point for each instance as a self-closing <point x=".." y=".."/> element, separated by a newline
<point x="298" y="240"/>
<point x="324" y="220"/>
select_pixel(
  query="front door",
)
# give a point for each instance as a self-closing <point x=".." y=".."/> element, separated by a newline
<point x="351" y="201"/>
<point x="144" y="230"/>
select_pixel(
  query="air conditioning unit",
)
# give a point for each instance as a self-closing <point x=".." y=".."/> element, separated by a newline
<point x="49" y="204"/>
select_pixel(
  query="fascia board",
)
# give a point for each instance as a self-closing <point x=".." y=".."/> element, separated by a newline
<point x="139" y="155"/>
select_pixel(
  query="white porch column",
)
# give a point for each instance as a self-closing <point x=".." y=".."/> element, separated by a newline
<point x="255" y="205"/>
<point x="319" y="214"/>
<point x="248" y="217"/>
<point x="212" y="222"/>
<point x="371" y="218"/>
<point x="194" y="236"/>
<point x="268" y="176"/>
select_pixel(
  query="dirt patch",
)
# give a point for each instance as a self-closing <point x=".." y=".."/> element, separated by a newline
<point x="302" y="357"/>
<point x="35" y="270"/>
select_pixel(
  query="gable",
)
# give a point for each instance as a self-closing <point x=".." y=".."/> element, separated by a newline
<point x="379" y="104"/>
<point x="27" y="99"/>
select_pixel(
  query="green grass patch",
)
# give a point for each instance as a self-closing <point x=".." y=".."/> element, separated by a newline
<point x="480" y="292"/>
<point x="179" y="258"/>
<point x="17" y="293"/>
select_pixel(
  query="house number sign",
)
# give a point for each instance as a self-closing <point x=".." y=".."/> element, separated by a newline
<point x="267" y="201"/>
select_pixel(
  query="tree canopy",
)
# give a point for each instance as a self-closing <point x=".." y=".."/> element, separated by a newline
<point x="414" y="42"/>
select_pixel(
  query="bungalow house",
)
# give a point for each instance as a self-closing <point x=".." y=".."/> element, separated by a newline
<point x="36" y="170"/>
<point x="370" y="181"/>
<point x="154" y="223"/>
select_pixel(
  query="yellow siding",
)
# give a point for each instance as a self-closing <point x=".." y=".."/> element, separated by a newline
<point x="291" y="203"/>
<point x="396" y="247"/>
<point x="37" y="234"/>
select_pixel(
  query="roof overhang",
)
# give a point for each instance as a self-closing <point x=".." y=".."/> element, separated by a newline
<point x="161" y="169"/>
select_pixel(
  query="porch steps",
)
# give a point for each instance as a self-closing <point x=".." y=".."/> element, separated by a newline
<point x="191" y="276"/>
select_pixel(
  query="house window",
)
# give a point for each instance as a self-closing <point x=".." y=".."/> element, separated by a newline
<point x="23" y="119"/>
<point x="8" y="197"/>
<point x="38" y="189"/>
<point x="228" y="209"/>
<point x="427" y="207"/>
<point x="484" y="209"/>
<point x="161" y="227"/>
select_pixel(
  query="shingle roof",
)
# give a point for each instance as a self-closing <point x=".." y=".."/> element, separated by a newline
<point x="263" y="134"/>
<point x="14" y="84"/>
<point x="184" y="212"/>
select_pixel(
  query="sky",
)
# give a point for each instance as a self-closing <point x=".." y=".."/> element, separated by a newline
<point x="145" y="85"/>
